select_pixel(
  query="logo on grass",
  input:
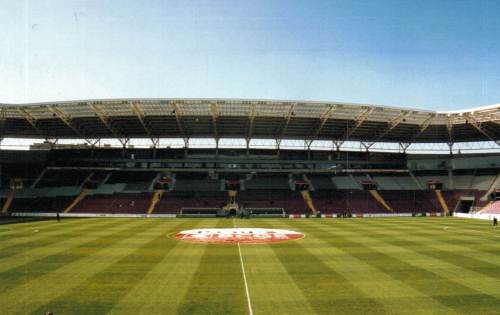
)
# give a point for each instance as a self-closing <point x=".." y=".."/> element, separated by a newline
<point x="237" y="235"/>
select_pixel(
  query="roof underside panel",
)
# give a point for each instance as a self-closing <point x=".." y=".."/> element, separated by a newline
<point x="191" y="118"/>
<point x="163" y="125"/>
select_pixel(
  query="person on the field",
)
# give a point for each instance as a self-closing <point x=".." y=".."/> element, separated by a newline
<point x="495" y="221"/>
<point x="58" y="217"/>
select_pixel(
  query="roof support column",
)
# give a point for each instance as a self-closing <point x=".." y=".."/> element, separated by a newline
<point x="217" y="147"/>
<point x="337" y="144"/>
<point x="92" y="146"/>
<point x="367" y="145"/>
<point x="186" y="146"/>
<point x="278" y="146"/>
<point x="307" y="144"/>
<point x="247" y="142"/>
<point x="124" y="142"/>
<point x="156" y="144"/>
<point x="52" y="141"/>
<point x="93" y="143"/>
<point x="404" y="146"/>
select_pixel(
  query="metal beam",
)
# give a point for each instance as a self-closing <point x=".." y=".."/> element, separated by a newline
<point x="392" y="124"/>
<point x="178" y="119"/>
<point x="66" y="119"/>
<point x="422" y="127"/>
<point x="31" y="120"/>
<point x="478" y="125"/>
<point x="449" y="128"/>
<point x="214" y="111"/>
<point x="359" y="120"/>
<point x="288" y="117"/>
<point x="251" y="117"/>
<point x="141" y="117"/>
<point x="323" y="119"/>
<point x="103" y="117"/>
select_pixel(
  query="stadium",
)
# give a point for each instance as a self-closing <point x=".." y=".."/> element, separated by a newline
<point x="242" y="206"/>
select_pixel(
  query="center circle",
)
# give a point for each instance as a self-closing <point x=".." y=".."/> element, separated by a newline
<point x="237" y="235"/>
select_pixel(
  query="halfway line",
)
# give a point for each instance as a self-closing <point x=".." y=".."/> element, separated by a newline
<point x="249" y="302"/>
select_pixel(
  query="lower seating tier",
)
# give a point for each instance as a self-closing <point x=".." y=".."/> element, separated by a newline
<point x="326" y="201"/>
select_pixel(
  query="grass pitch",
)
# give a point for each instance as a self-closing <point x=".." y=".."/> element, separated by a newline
<point x="342" y="266"/>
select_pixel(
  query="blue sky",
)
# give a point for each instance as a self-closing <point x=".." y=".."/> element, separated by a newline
<point x="440" y="55"/>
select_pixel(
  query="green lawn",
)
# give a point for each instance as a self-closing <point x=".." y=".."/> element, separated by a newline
<point x="342" y="266"/>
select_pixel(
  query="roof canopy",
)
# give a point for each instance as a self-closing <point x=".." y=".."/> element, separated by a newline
<point x="230" y="118"/>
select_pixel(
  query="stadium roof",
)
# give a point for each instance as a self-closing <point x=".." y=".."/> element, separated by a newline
<point x="233" y="118"/>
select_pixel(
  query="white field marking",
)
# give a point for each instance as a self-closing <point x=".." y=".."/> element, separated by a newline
<point x="249" y="302"/>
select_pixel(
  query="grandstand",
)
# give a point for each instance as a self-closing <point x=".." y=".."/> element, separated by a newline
<point x="333" y="180"/>
<point x="156" y="180"/>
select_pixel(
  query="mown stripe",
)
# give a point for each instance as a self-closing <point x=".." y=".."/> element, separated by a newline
<point x="13" y="225"/>
<point x="47" y="238"/>
<point x="470" y="278"/>
<point x="99" y="293"/>
<point x="22" y="228"/>
<point x="447" y="226"/>
<point x="39" y="267"/>
<point x="428" y="282"/>
<point x="272" y="289"/>
<point x="21" y="232"/>
<point x="162" y="288"/>
<point x="327" y="291"/>
<point x="36" y="253"/>
<point x="436" y="230"/>
<point x="30" y="295"/>
<point x="473" y="256"/>
<point x="217" y="285"/>
<point x="459" y="254"/>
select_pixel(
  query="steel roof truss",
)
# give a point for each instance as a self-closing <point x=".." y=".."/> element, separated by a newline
<point x="323" y="119"/>
<point x="358" y="121"/>
<point x="31" y="120"/>
<point x="178" y="119"/>
<point x="66" y="119"/>
<point x="103" y="117"/>
<point x="214" y="111"/>
<point x="288" y="117"/>
<point x="478" y="125"/>
<point x="139" y="113"/>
